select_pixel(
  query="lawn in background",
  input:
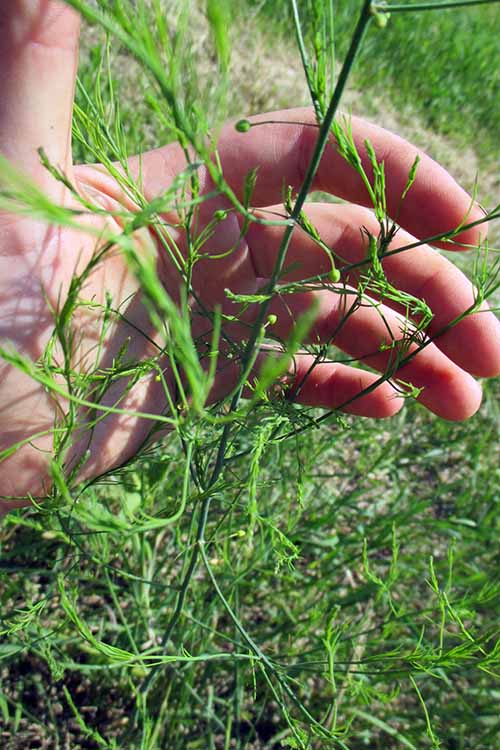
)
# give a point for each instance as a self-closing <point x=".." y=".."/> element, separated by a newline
<point x="439" y="65"/>
<point x="361" y="558"/>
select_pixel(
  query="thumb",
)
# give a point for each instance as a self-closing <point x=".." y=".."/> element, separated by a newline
<point x="38" y="63"/>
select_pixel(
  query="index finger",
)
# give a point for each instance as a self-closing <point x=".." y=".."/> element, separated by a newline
<point x="282" y="150"/>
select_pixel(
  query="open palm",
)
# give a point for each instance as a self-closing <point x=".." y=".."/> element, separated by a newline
<point x="38" y="58"/>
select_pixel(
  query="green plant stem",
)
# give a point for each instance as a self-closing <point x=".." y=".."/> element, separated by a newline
<point x="430" y="6"/>
<point x="304" y="57"/>
<point x="384" y="377"/>
<point x="321" y="143"/>
<point x="247" y="356"/>
<point x="322" y="140"/>
<point x="259" y="654"/>
<point x="181" y="597"/>
<point x="495" y="214"/>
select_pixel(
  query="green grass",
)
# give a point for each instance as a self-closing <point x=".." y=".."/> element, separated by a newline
<point x="350" y="597"/>
<point x="423" y="487"/>
<point x="440" y="66"/>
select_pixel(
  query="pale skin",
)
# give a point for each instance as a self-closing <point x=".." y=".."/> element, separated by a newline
<point x="38" y="60"/>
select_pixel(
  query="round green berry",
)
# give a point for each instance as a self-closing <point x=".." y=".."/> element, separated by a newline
<point x="242" y="126"/>
<point x="334" y="275"/>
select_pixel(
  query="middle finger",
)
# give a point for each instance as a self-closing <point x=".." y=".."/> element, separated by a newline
<point x="473" y="344"/>
<point x="379" y="337"/>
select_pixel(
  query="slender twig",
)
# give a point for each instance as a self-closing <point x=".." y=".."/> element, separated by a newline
<point x="259" y="654"/>
<point x="384" y="377"/>
<point x="430" y="6"/>
<point x="319" y="149"/>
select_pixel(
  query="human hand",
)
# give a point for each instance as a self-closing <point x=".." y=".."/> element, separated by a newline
<point x="38" y="57"/>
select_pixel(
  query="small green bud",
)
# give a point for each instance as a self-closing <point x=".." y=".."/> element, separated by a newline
<point x="242" y="126"/>
<point x="334" y="275"/>
<point x="272" y="319"/>
<point x="381" y="18"/>
<point x="139" y="672"/>
<point x="220" y="215"/>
